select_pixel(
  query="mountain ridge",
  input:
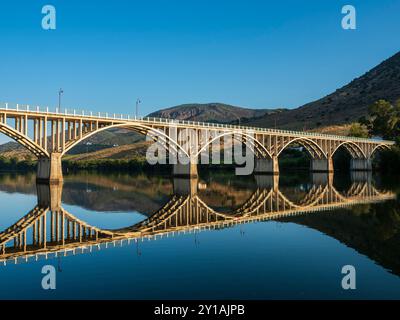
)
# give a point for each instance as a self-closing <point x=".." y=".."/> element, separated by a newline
<point x="344" y="105"/>
<point x="210" y="112"/>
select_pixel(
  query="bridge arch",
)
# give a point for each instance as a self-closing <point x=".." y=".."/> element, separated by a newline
<point x="314" y="150"/>
<point x="257" y="148"/>
<point x="354" y="150"/>
<point x="378" y="148"/>
<point x="23" y="140"/>
<point x="154" y="134"/>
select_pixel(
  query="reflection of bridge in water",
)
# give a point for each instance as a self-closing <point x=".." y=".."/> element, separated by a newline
<point x="49" y="229"/>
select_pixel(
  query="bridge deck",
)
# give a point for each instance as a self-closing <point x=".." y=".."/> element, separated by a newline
<point x="121" y="118"/>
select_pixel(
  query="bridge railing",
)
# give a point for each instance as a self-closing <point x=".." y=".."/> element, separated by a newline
<point x="122" y="117"/>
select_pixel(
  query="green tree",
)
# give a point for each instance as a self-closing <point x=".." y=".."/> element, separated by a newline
<point x="383" y="119"/>
<point x="358" y="130"/>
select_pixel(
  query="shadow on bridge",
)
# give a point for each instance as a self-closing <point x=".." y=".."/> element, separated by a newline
<point x="50" y="229"/>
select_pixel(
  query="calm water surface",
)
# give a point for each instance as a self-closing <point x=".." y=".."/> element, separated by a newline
<point x="217" y="237"/>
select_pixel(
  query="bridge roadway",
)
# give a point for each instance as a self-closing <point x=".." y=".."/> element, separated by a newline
<point x="49" y="229"/>
<point x="50" y="135"/>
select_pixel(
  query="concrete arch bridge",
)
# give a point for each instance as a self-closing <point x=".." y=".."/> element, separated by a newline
<point x="50" y="135"/>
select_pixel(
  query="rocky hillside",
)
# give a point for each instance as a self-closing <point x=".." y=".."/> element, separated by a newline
<point x="211" y="112"/>
<point x="346" y="104"/>
<point x="14" y="150"/>
<point x="106" y="142"/>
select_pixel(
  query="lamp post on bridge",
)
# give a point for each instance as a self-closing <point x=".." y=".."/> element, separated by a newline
<point x="60" y="92"/>
<point x="238" y="118"/>
<point x="137" y="107"/>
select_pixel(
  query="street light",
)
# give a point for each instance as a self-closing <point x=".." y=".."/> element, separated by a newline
<point x="137" y="107"/>
<point x="60" y="92"/>
<point x="239" y="120"/>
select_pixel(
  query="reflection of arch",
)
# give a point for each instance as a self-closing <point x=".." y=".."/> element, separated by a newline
<point x="36" y="221"/>
<point x="357" y="189"/>
<point x="253" y="202"/>
<point x="22" y="225"/>
<point x="313" y="148"/>
<point x="25" y="141"/>
<point x="171" y="213"/>
<point x="311" y="199"/>
<point x="318" y="195"/>
<point x="258" y="149"/>
<point x="313" y="196"/>
<point x="354" y="150"/>
<point x="155" y="134"/>
<point x="174" y="204"/>
<point x="83" y="224"/>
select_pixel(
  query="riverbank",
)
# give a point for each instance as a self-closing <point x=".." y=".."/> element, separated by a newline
<point x="288" y="162"/>
<point x="135" y="164"/>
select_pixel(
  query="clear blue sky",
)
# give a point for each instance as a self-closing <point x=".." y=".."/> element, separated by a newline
<point x="260" y="54"/>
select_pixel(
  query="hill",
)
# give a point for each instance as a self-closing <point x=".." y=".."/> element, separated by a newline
<point x="15" y="150"/>
<point x="126" y="151"/>
<point x="111" y="140"/>
<point x="107" y="139"/>
<point x="346" y="104"/>
<point x="211" y="112"/>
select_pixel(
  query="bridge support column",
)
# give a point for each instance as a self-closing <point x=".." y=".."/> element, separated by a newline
<point x="361" y="176"/>
<point x="49" y="195"/>
<point x="267" y="181"/>
<point x="267" y="166"/>
<point x="322" y="178"/>
<point x="322" y="165"/>
<point x="185" y="170"/>
<point x="49" y="170"/>
<point x="185" y="186"/>
<point x="360" y="164"/>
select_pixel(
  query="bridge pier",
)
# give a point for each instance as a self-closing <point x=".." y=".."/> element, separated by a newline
<point x="185" y="170"/>
<point x="49" y="170"/>
<point x="361" y="164"/>
<point x="322" y="165"/>
<point x="49" y="195"/>
<point x="266" y="166"/>
<point x="264" y="181"/>
<point x="361" y="176"/>
<point x="185" y="186"/>
<point x="322" y="178"/>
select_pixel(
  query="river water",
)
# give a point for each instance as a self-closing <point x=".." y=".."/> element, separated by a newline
<point x="142" y="236"/>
